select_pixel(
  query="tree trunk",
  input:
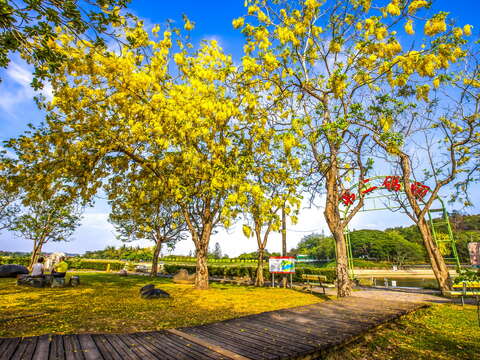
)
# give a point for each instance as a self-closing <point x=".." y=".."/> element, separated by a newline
<point x="259" y="279"/>
<point x="201" y="278"/>
<point x="344" y="286"/>
<point x="156" y="253"/>
<point x="436" y="259"/>
<point x="201" y="241"/>
<point x="37" y="249"/>
<point x="284" y="242"/>
<point x="334" y="222"/>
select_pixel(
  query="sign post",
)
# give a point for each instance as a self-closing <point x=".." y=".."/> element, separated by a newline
<point x="281" y="265"/>
<point x="474" y="251"/>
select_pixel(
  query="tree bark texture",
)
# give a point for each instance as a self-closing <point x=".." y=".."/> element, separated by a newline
<point x="156" y="253"/>
<point x="259" y="279"/>
<point x="37" y="249"/>
<point x="336" y="226"/>
<point x="437" y="261"/>
<point x="201" y="277"/>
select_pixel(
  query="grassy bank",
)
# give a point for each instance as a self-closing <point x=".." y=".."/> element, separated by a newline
<point x="448" y="332"/>
<point x="110" y="303"/>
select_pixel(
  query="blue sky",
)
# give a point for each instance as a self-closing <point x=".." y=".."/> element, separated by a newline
<point x="213" y="21"/>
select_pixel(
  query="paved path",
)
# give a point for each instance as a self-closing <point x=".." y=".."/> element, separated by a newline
<point x="303" y="332"/>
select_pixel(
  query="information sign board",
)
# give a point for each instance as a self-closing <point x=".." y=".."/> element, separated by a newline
<point x="281" y="265"/>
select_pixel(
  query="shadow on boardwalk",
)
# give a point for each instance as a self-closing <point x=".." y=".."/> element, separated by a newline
<point x="304" y="332"/>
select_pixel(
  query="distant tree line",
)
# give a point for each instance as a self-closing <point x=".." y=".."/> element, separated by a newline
<point x="397" y="245"/>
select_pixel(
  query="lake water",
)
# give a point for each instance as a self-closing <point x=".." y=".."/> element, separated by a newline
<point x="407" y="282"/>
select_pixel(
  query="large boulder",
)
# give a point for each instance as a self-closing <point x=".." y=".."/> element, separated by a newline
<point x="182" y="277"/>
<point x="12" y="270"/>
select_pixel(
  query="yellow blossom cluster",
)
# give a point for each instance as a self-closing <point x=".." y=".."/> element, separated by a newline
<point x="393" y="8"/>
<point x="422" y="92"/>
<point x="435" y="25"/>
<point x="238" y="23"/>
<point x="417" y="4"/>
<point x="472" y="82"/>
<point x="409" y="27"/>
<point x="337" y="84"/>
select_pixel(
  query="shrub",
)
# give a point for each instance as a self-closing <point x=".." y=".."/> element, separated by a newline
<point x="19" y="260"/>
<point x="85" y="264"/>
<point x="233" y="271"/>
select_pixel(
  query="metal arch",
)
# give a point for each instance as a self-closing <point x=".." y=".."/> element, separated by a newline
<point x="367" y="196"/>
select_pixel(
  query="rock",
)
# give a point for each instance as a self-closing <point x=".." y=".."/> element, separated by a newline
<point x="12" y="270"/>
<point x="123" y="272"/>
<point x="37" y="282"/>
<point x="149" y="292"/>
<point x="58" y="282"/>
<point x="182" y="277"/>
<point x="23" y="279"/>
<point x="147" y="288"/>
<point x="74" y="280"/>
<point x="156" y="294"/>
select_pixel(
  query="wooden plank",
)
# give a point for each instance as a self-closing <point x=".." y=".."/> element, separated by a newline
<point x="173" y="351"/>
<point x="280" y="336"/>
<point x="144" y="338"/>
<point x="42" y="350"/>
<point x="254" y="339"/>
<point x="25" y="348"/>
<point x="8" y="348"/>
<point x="308" y="335"/>
<point x="136" y="346"/>
<point x="88" y="347"/>
<point x="105" y="348"/>
<point x="28" y="354"/>
<point x="125" y="351"/>
<point x="73" y="350"/>
<point x="225" y="342"/>
<point x="340" y="315"/>
<point x="229" y="354"/>
<point x="57" y="351"/>
<point x="196" y="350"/>
<point x="300" y="321"/>
<point x="18" y="354"/>
<point x="181" y="347"/>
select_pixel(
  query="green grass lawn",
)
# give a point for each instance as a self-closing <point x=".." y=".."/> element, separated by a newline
<point x="110" y="303"/>
<point x="440" y="332"/>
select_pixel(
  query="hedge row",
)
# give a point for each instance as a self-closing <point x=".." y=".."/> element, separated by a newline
<point x="102" y="265"/>
<point x="229" y="271"/>
<point x="210" y="260"/>
<point x="73" y="263"/>
<point x="248" y="271"/>
<point x="23" y="260"/>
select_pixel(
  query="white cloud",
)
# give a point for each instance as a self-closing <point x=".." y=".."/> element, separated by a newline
<point x="20" y="74"/>
<point x="16" y="89"/>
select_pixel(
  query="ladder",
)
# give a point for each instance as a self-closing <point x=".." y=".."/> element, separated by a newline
<point x="450" y="240"/>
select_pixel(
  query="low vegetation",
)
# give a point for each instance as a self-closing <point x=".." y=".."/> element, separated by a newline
<point x="443" y="332"/>
<point x="110" y="303"/>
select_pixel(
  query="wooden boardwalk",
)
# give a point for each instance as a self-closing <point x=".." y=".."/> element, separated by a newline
<point x="304" y="332"/>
